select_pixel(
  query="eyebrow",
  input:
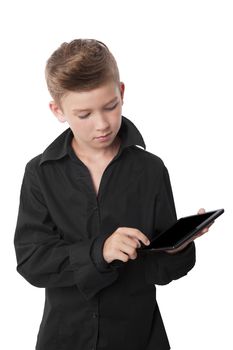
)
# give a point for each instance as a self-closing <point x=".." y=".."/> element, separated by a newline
<point x="81" y="110"/>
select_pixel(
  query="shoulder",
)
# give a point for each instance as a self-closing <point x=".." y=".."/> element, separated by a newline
<point x="56" y="150"/>
<point x="33" y="164"/>
<point x="152" y="167"/>
<point x="148" y="159"/>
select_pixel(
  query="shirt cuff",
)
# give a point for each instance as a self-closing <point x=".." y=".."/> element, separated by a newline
<point x="96" y="253"/>
<point x="86" y="275"/>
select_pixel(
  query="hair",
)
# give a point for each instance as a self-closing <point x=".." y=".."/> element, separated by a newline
<point x="80" y="65"/>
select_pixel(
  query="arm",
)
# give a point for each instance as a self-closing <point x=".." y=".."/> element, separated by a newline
<point x="161" y="267"/>
<point x="44" y="258"/>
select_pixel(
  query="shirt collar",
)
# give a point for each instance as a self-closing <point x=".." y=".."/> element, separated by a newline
<point x="128" y="133"/>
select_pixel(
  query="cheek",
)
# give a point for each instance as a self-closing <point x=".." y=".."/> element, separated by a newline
<point x="116" y="114"/>
<point x="81" y="128"/>
<point x="118" y="117"/>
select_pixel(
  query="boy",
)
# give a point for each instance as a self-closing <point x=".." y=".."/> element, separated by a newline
<point x="86" y="204"/>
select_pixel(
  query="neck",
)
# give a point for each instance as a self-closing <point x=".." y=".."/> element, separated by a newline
<point x="89" y="155"/>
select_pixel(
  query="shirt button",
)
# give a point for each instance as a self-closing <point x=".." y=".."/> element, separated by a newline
<point x="94" y="315"/>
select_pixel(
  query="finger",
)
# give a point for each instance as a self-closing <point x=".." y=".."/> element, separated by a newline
<point x="210" y="224"/>
<point x="131" y="241"/>
<point x="206" y="229"/>
<point x="122" y="256"/>
<point x="202" y="232"/>
<point x="176" y="250"/>
<point x="129" y="250"/>
<point x="143" y="238"/>
<point x="132" y="232"/>
<point x="201" y="211"/>
<point x="138" y="243"/>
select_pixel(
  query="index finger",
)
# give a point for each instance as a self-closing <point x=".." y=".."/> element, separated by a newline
<point x="133" y="232"/>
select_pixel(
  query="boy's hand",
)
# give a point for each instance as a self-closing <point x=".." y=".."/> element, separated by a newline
<point x="122" y="244"/>
<point x="200" y="233"/>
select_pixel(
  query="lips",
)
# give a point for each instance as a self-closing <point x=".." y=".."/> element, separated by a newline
<point x="103" y="136"/>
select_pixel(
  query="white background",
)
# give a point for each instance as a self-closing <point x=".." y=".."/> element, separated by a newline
<point x="176" y="60"/>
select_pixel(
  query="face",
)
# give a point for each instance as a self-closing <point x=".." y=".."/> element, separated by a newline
<point x="91" y="114"/>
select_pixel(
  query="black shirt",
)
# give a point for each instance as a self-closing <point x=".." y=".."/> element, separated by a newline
<point x="61" y="228"/>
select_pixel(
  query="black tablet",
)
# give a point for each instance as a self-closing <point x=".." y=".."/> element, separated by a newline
<point x="181" y="231"/>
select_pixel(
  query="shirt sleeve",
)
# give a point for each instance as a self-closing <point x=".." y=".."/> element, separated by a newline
<point x="97" y="253"/>
<point x="44" y="258"/>
<point x="161" y="267"/>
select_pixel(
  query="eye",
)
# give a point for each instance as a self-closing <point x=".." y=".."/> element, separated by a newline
<point x="107" y="109"/>
<point x="84" y="116"/>
<point x="111" y="108"/>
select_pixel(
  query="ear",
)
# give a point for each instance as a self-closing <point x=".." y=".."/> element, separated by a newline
<point x="57" y="111"/>
<point x="122" y="90"/>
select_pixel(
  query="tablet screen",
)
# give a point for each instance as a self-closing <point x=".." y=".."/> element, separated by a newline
<point x="182" y="229"/>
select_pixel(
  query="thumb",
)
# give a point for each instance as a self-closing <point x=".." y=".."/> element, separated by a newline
<point x="201" y="211"/>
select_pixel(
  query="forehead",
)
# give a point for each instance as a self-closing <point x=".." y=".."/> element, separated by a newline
<point x="85" y="100"/>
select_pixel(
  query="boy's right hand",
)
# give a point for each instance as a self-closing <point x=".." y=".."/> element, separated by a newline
<point x="122" y="244"/>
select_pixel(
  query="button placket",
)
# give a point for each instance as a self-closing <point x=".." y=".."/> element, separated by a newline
<point x="95" y="316"/>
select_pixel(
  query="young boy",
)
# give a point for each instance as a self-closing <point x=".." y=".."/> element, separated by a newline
<point x="86" y="204"/>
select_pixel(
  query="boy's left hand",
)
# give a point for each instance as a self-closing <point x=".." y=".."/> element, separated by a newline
<point x="200" y="233"/>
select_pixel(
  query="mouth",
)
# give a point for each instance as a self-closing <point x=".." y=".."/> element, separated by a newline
<point x="103" y="136"/>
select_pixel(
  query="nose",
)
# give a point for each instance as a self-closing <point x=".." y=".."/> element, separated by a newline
<point x="101" y="123"/>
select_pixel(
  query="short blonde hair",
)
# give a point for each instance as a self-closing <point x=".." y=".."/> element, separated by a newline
<point x="80" y="65"/>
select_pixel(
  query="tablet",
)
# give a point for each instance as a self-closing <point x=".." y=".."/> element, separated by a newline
<point x="182" y="231"/>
